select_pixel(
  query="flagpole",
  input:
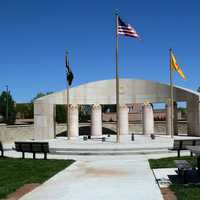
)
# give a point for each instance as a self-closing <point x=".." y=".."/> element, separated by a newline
<point x="117" y="82"/>
<point x="68" y="120"/>
<point x="68" y="115"/>
<point x="171" y="95"/>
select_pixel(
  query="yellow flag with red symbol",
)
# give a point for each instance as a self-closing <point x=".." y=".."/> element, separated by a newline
<point x="175" y="66"/>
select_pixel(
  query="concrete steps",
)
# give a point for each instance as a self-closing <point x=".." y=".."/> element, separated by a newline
<point x="139" y="151"/>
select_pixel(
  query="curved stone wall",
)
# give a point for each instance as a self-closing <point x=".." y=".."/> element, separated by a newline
<point x="103" y="92"/>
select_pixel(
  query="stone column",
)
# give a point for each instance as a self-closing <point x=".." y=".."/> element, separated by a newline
<point x="175" y="119"/>
<point x="96" y="120"/>
<point x="168" y="119"/>
<point x="193" y="118"/>
<point x="148" y="119"/>
<point x="123" y="120"/>
<point x="73" y="121"/>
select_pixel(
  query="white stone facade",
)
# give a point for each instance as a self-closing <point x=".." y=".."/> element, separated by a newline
<point x="103" y="92"/>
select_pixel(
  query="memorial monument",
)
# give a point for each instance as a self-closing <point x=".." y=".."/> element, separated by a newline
<point x="103" y="93"/>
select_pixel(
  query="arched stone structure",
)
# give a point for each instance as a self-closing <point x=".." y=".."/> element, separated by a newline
<point x="103" y="92"/>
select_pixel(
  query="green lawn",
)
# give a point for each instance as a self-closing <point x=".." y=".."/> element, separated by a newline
<point x="183" y="192"/>
<point x="169" y="162"/>
<point x="186" y="192"/>
<point x="15" y="172"/>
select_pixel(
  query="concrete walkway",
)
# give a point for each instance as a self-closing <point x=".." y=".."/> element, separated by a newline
<point x="101" y="178"/>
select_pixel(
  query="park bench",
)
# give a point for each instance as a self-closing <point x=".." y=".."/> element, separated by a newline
<point x="181" y="144"/>
<point x="1" y="149"/>
<point x="32" y="147"/>
<point x="183" y="167"/>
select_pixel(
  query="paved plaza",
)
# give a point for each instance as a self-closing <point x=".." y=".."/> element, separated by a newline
<point x="106" y="169"/>
<point x="103" y="177"/>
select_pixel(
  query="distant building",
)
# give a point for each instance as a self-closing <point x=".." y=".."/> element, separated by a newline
<point x="135" y="114"/>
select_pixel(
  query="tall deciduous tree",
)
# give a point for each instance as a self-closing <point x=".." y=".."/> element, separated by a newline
<point x="38" y="95"/>
<point x="24" y="110"/>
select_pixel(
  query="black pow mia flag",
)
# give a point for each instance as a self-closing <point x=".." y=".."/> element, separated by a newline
<point x="69" y="73"/>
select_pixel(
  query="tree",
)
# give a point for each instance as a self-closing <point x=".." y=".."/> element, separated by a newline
<point x="84" y="113"/>
<point x="109" y="108"/>
<point x="24" y="110"/>
<point x="198" y="89"/>
<point x="61" y="111"/>
<point x="183" y="111"/>
<point x="7" y="104"/>
<point x="38" y="95"/>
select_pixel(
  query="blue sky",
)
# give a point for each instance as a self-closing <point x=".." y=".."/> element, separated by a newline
<point x="35" y="34"/>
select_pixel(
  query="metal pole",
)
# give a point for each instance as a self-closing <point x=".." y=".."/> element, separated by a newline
<point x="6" y="103"/>
<point x="68" y="115"/>
<point x="68" y="88"/>
<point x="171" y="94"/>
<point x="117" y="82"/>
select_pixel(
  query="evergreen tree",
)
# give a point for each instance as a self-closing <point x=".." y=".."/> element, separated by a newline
<point x="7" y="106"/>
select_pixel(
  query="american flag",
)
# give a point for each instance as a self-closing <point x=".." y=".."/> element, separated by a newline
<point x="126" y="29"/>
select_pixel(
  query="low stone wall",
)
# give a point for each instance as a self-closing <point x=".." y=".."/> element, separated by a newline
<point x="24" y="132"/>
<point x="159" y="127"/>
<point x="16" y="132"/>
